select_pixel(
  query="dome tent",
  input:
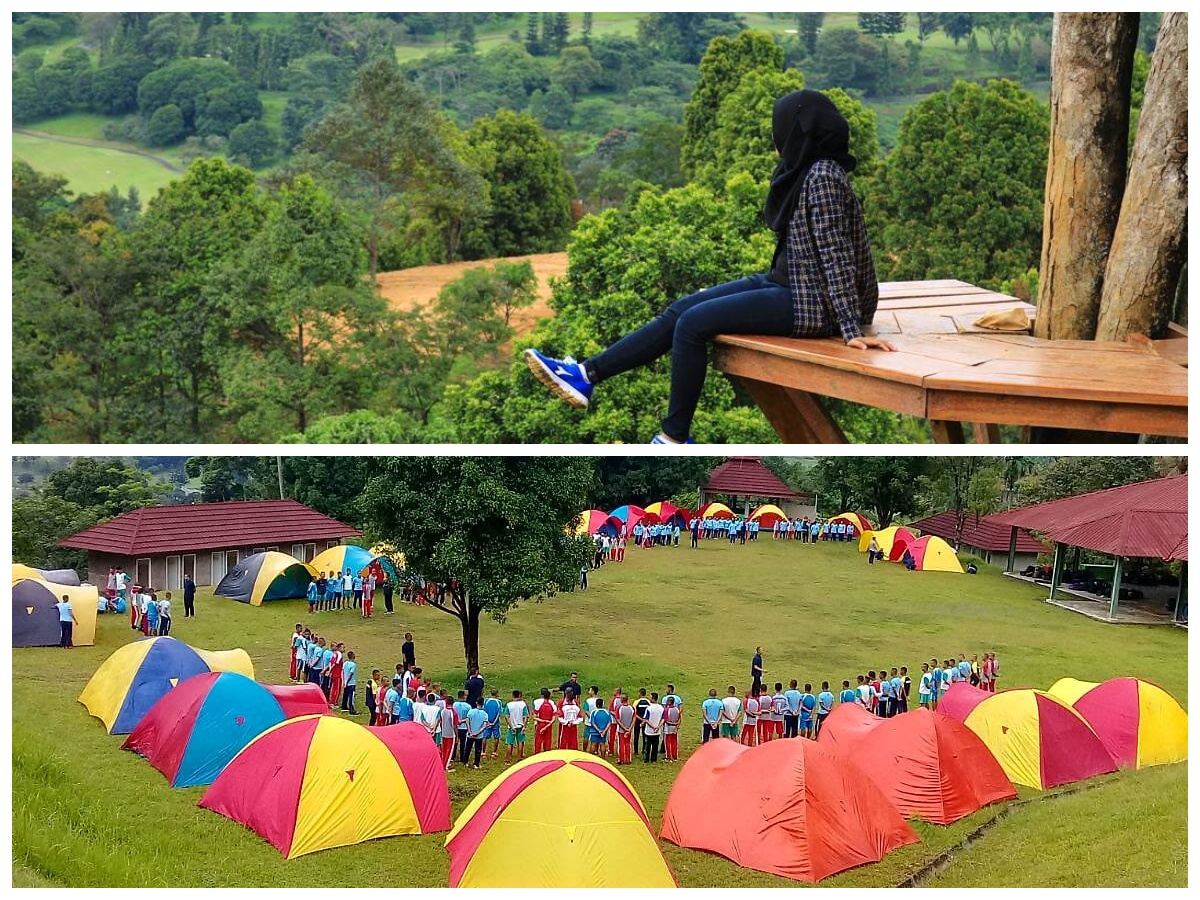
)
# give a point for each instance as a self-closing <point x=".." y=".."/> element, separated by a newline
<point x="768" y="515"/>
<point x="597" y="521"/>
<point x="193" y="731"/>
<point x="860" y="523"/>
<point x="715" y="511"/>
<point x="886" y="538"/>
<point x="266" y="576"/>
<point x="68" y="577"/>
<point x="929" y="553"/>
<point x="35" y="615"/>
<point x="586" y="821"/>
<point x="1138" y="722"/>
<point x="816" y="815"/>
<point x="349" y="556"/>
<point x="318" y="782"/>
<point x="929" y="766"/>
<point x="1038" y="740"/>
<point x="136" y="676"/>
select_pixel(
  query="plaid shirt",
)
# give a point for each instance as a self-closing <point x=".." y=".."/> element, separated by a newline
<point x="830" y="269"/>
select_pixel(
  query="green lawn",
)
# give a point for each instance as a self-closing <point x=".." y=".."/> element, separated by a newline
<point x="87" y="814"/>
<point x="91" y="169"/>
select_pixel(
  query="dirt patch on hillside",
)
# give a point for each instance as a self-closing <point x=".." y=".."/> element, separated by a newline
<point x="411" y="288"/>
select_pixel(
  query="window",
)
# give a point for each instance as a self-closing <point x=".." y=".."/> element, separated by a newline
<point x="174" y="573"/>
<point x="310" y="552"/>
<point x="275" y="548"/>
<point x="298" y="552"/>
<point x="258" y="550"/>
<point x="218" y="566"/>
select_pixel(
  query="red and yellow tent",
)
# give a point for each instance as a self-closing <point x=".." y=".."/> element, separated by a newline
<point x="562" y="819"/>
<point x="1038" y="740"/>
<point x="768" y="515"/>
<point x="317" y="782"/>
<point x="1139" y="723"/>
<point x="860" y="523"/>
<point x="790" y="808"/>
<point x="930" y="553"/>
<point x="597" y="521"/>
<point x="886" y="538"/>
<point x="668" y="512"/>
<point x="715" y="511"/>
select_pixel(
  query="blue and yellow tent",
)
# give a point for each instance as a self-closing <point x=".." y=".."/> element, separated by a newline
<point x="137" y="676"/>
<point x="349" y="556"/>
<point x="266" y="576"/>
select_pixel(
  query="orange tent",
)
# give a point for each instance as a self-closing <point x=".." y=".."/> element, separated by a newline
<point x="929" y="766"/>
<point x="790" y="808"/>
<point x="847" y="724"/>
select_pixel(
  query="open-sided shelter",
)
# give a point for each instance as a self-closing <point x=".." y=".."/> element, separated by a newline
<point x="137" y="675"/>
<point x="1038" y="740"/>
<point x="35" y="616"/>
<point x="929" y="553"/>
<point x="193" y="731"/>
<point x="1138" y="722"/>
<point x="316" y="782"/>
<point x="266" y="576"/>
<point x="586" y="823"/>
<point x="792" y="808"/>
<point x="929" y="766"/>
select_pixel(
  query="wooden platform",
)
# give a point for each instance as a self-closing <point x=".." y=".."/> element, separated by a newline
<point x="955" y="379"/>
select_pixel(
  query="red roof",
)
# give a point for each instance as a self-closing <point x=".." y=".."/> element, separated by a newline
<point x="209" y="526"/>
<point x="1147" y="519"/>
<point x="985" y="533"/>
<point x="746" y="476"/>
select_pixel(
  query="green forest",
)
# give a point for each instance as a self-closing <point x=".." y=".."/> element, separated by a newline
<point x="232" y="295"/>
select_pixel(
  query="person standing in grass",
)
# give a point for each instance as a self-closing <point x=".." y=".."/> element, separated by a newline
<point x="493" y="706"/>
<point x="935" y="673"/>
<point x="639" y="711"/>
<point x="899" y="702"/>
<point x="477" y="729"/>
<point x="985" y="674"/>
<point x="348" y="600"/>
<point x="925" y="687"/>
<point x="732" y="712"/>
<point x="906" y="688"/>
<point x="164" y="615"/>
<point x="613" y="706"/>
<point x="848" y="694"/>
<point x="409" y="650"/>
<point x="350" y="679"/>
<point x="371" y="698"/>
<point x="779" y="708"/>
<point x="568" y="722"/>
<point x="625" y="721"/>
<point x="713" y="711"/>
<point x="885" y="694"/>
<point x="864" y="693"/>
<point x="947" y="667"/>
<point x="388" y="590"/>
<point x="298" y="645"/>
<point x="756" y="670"/>
<point x="449" y="729"/>
<point x="326" y="664"/>
<point x="66" y="622"/>
<point x="151" y="614"/>
<point x="672" y="721"/>
<point x="335" y="675"/>
<point x="389" y="711"/>
<point x="652" y="725"/>
<point x="824" y="707"/>
<point x="517" y="712"/>
<point x="808" y="706"/>
<point x="545" y="711"/>
<point x="750" y="719"/>
<point x="600" y="727"/>
<point x="995" y="671"/>
<point x="356" y="585"/>
<point x="791" y="716"/>
<point x="462" y="707"/>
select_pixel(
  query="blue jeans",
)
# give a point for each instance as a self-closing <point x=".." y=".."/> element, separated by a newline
<point x="753" y="305"/>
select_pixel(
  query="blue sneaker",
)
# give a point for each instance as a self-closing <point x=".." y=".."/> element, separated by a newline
<point x="659" y="439"/>
<point x="564" y="377"/>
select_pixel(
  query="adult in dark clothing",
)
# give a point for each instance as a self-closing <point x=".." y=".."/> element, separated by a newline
<point x="189" y="597"/>
<point x="756" y="669"/>
<point x="821" y="283"/>
<point x="474" y="686"/>
<point x="387" y="595"/>
<point x="639" y="710"/>
<point x="571" y="684"/>
<point x="409" y="650"/>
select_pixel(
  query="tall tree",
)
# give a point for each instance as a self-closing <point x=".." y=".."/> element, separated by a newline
<point x="384" y="130"/>
<point x="809" y="25"/>
<point x="1092" y="61"/>
<point x="490" y="528"/>
<point x="886" y="486"/>
<point x="881" y="24"/>
<point x="1149" y="248"/>
<point x="587" y="29"/>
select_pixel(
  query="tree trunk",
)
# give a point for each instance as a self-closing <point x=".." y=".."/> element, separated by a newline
<point x="1150" y="246"/>
<point x="470" y="633"/>
<point x="1092" y="69"/>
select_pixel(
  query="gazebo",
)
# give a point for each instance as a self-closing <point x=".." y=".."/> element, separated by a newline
<point x="1147" y="519"/>
<point x="746" y="479"/>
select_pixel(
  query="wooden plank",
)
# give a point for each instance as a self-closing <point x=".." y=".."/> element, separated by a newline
<point x="1054" y="412"/>
<point x="947" y="431"/>
<point x="1073" y="377"/>
<point x="831" y="353"/>
<point x="813" y="411"/>
<point x="818" y="379"/>
<point x="888" y="287"/>
<point x="776" y="404"/>
<point x="1174" y="350"/>
<point x="986" y="299"/>
<point x="985" y="432"/>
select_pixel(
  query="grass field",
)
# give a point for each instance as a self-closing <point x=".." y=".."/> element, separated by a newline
<point x="92" y="169"/>
<point x="87" y="814"/>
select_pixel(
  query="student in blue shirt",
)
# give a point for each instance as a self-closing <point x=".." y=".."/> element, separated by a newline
<point x="326" y="666"/>
<point x="671" y="693"/>
<point x="477" y="729"/>
<point x="808" y="703"/>
<point x="350" y="679"/>
<point x="886" y="695"/>
<point x="824" y="707"/>
<point x="462" y="709"/>
<point x="791" y="718"/>
<point x="312" y="596"/>
<point x="712" y="707"/>
<point x="935" y="687"/>
<point x="848" y="695"/>
<point x="391" y="699"/>
<point x="599" y="722"/>
<point x="492" y="706"/>
<point x="897" y="683"/>
<point x="403" y="709"/>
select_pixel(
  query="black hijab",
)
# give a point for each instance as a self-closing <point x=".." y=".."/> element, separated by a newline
<point x="806" y="127"/>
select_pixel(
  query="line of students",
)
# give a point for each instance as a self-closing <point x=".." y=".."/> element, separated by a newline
<point x="327" y="664"/>
<point x="759" y="716"/>
<point x="347" y="590"/>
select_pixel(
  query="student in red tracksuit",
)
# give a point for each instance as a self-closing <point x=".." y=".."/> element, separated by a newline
<point x="298" y="642"/>
<point x="672" y="718"/>
<point x="568" y="723"/>
<point x="624" y="727"/>
<point x="612" y="732"/>
<point x="335" y="675"/>
<point x="544" y="713"/>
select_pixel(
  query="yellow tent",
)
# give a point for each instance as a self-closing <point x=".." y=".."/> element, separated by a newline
<point x="885" y="537"/>
<point x="586" y="821"/>
<point x="1138" y="722"/>
<point x="853" y="518"/>
<point x="715" y="511"/>
<point x="20" y="570"/>
<point x="137" y="675"/>
<point x="35" y="617"/>
<point x="1068" y="690"/>
<point x="931" y="554"/>
<point x="266" y="576"/>
<point x="769" y="514"/>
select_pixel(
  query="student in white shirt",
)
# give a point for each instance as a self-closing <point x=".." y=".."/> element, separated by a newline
<point x="652" y="723"/>
<point x="516" y="712"/>
<point x="729" y="716"/>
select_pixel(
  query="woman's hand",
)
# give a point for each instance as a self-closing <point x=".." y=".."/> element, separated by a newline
<point x="869" y="343"/>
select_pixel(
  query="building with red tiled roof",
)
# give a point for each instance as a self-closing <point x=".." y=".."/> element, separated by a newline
<point x="985" y="538"/>
<point x="747" y="479"/>
<point x="158" y="545"/>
